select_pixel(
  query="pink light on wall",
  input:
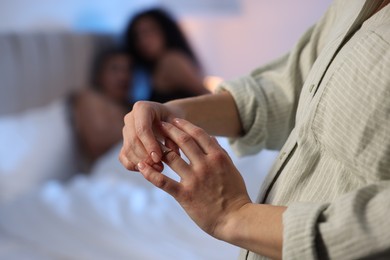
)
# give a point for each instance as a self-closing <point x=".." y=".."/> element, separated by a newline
<point x="233" y="45"/>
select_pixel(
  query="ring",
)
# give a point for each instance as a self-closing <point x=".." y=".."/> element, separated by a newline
<point x="165" y="150"/>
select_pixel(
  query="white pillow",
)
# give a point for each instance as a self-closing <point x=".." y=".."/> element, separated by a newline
<point x="35" y="146"/>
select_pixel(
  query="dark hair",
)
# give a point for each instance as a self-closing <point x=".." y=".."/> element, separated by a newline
<point x="173" y="36"/>
<point x="100" y="60"/>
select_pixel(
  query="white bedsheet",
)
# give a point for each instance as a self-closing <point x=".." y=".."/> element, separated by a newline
<point x="35" y="146"/>
<point x="111" y="214"/>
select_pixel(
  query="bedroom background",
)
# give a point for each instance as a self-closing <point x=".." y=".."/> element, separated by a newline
<point x="231" y="37"/>
<point x="45" y="50"/>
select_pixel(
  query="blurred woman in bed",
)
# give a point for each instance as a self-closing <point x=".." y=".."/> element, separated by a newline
<point x="160" y="50"/>
<point x="98" y="111"/>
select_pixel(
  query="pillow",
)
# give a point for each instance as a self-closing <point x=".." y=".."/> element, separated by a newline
<point x="35" y="145"/>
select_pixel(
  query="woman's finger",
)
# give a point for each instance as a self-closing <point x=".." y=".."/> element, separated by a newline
<point x="159" y="180"/>
<point x="144" y="129"/>
<point x="176" y="163"/>
<point x="185" y="142"/>
<point x="158" y="166"/>
<point x="204" y="140"/>
<point x="133" y="151"/>
<point x="125" y="162"/>
<point x="171" y="145"/>
<point x="173" y="159"/>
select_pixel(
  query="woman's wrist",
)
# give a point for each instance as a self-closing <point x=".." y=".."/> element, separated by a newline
<point x="230" y="229"/>
<point x="256" y="227"/>
<point x="176" y="109"/>
<point x="205" y="111"/>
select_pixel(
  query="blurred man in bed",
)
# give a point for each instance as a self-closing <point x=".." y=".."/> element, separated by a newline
<point x="69" y="134"/>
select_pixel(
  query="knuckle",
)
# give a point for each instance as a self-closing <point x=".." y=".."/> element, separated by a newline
<point x="121" y="156"/>
<point x="121" y="160"/>
<point x="126" y="163"/>
<point x="128" y="159"/>
<point x="171" y="156"/>
<point x="132" y="141"/>
<point x="126" y="136"/>
<point x="159" y="181"/>
<point x="140" y="130"/>
<point x="147" y="160"/>
<point x="139" y="105"/>
<point x="198" y="132"/>
<point x="148" y="176"/>
<point x="202" y="171"/>
<point x="168" y="126"/>
<point x="125" y="151"/>
<point x="127" y="118"/>
<point x="184" y="139"/>
<point x="218" y="157"/>
<point x="130" y="166"/>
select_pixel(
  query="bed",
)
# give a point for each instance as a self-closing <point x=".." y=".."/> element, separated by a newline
<point x="49" y="212"/>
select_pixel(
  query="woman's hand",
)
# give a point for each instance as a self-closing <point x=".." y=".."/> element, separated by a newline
<point x="141" y="133"/>
<point x="211" y="189"/>
<point x="216" y="113"/>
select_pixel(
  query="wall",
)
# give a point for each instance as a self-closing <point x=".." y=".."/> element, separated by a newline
<point x="43" y="15"/>
<point x="229" y="44"/>
<point x="101" y="15"/>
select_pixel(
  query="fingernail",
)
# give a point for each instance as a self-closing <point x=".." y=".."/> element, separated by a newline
<point x="136" y="168"/>
<point x="155" y="157"/>
<point x="163" y="124"/>
<point x="176" y="120"/>
<point x="141" y="166"/>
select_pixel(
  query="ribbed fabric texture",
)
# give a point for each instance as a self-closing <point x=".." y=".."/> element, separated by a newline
<point x="326" y="105"/>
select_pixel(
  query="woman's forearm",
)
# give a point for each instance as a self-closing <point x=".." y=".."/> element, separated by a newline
<point x="216" y="113"/>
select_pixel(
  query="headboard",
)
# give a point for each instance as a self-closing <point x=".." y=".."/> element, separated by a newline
<point x="36" y="68"/>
